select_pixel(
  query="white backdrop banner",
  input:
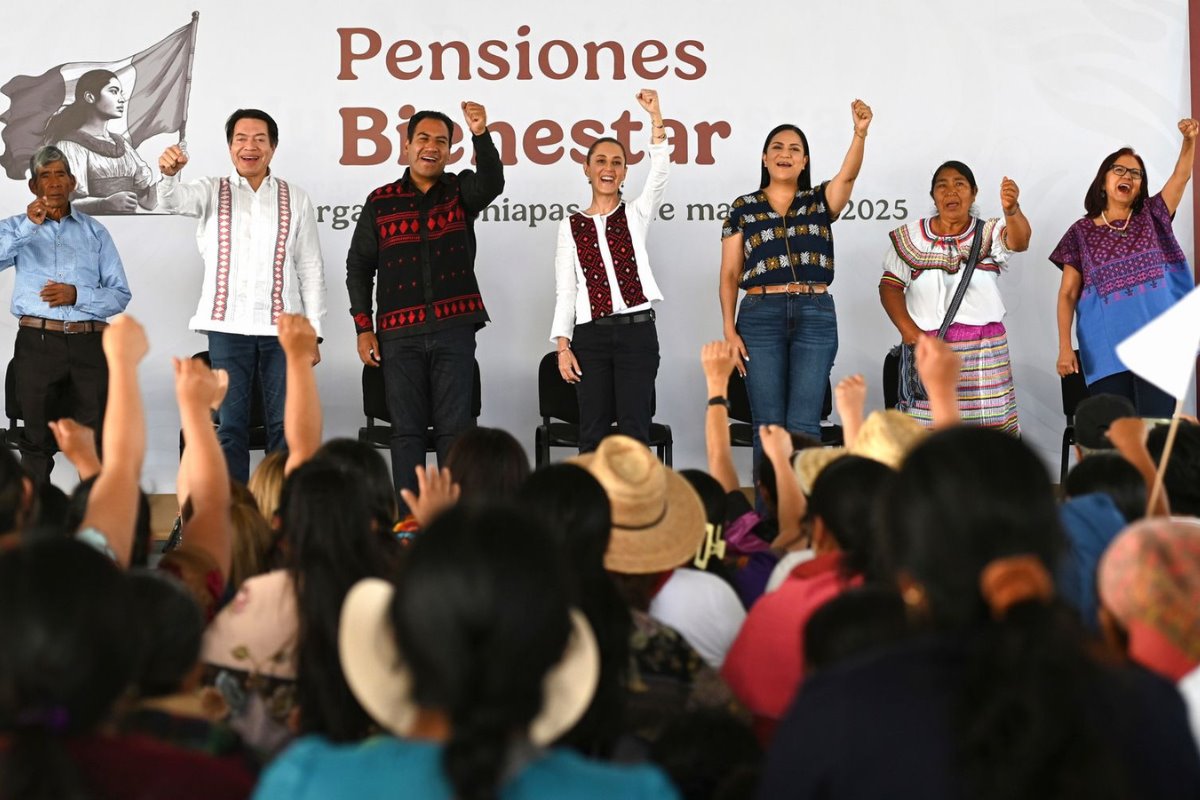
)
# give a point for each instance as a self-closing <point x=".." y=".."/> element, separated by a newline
<point x="1035" y="91"/>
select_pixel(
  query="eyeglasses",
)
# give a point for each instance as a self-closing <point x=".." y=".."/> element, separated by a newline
<point x="1132" y="172"/>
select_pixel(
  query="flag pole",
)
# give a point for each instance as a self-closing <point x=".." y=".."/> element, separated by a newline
<point x="1194" y="58"/>
<point x="1166" y="456"/>
<point x="187" y="82"/>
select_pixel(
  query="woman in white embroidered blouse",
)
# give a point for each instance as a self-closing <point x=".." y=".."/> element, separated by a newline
<point x="921" y="273"/>
<point x="603" y="322"/>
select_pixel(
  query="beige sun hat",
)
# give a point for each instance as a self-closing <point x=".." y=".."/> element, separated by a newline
<point x="657" y="517"/>
<point x="376" y="674"/>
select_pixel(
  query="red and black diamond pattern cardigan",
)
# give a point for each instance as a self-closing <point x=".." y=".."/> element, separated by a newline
<point x="422" y="248"/>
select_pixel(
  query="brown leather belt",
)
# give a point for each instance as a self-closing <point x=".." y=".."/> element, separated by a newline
<point x="790" y="288"/>
<point x="60" y="326"/>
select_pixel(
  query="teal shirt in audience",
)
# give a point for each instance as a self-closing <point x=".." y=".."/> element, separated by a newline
<point x="387" y="767"/>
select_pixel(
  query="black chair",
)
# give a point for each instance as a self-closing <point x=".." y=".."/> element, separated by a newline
<point x="378" y="430"/>
<point x="1074" y="391"/>
<point x="258" y="417"/>
<point x="741" y="427"/>
<point x="12" y="408"/>
<point x="891" y="381"/>
<point x="831" y="433"/>
<point x="557" y="401"/>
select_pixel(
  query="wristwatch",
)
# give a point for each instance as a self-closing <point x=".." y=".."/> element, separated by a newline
<point x="719" y="401"/>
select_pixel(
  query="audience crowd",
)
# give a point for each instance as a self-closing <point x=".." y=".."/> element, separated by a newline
<point x="914" y="614"/>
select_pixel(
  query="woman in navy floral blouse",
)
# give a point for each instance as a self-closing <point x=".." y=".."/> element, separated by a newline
<point x="778" y="247"/>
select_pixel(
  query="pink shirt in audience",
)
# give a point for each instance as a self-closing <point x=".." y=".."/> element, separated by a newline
<point x="766" y="663"/>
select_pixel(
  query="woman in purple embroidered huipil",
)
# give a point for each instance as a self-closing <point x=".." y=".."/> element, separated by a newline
<point x="603" y="321"/>
<point x="1121" y="267"/>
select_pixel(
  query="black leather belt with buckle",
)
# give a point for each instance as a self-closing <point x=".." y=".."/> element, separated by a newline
<point x="626" y="319"/>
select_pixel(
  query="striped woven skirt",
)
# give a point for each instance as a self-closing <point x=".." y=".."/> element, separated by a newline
<point x="986" y="396"/>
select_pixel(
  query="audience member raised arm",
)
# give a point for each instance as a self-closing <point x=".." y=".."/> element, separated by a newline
<point x="1128" y="435"/>
<point x="790" y="504"/>
<point x="850" y="395"/>
<point x="939" y="367"/>
<point x="78" y="443"/>
<point x="113" y="504"/>
<point x="436" y="492"/>
<point x="719" y="360"/>
<point x="302" y="407"/>
<point x="202" y="464"/>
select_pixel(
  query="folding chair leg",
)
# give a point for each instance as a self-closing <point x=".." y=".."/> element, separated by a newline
<point x="1066" y="458"/>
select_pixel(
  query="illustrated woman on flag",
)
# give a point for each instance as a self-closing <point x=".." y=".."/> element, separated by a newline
<point x="111" y="178"/>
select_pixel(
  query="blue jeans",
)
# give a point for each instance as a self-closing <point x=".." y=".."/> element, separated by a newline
<point x="791" y="340"/>
<point x="428" y="380"/>
<point x="243" y="356"/>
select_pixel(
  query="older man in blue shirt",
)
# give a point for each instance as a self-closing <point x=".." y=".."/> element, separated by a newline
<point x="69" y="281"/>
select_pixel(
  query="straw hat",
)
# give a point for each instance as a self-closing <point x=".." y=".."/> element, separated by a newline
<point x="888" y="436"/>
<point x="657" y="517"/>
<point x="809" y="463"/>
<point x="376" y="674"/>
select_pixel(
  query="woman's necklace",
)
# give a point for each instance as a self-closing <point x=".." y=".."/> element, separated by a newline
<point x="1121" y="231"/>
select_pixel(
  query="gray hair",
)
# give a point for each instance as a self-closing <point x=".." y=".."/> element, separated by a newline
<point x="47" y="155"/>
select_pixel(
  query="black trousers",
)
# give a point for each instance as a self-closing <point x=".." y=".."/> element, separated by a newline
<point x="428" y="380"/>
<point x="1148" y="399"/>
<point x="57" y="375"/>
<point x="619" y="364"/>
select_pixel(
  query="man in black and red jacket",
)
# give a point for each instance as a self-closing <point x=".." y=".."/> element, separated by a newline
<point x="418" y="235"/>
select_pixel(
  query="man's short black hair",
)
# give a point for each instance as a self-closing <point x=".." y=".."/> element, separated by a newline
<point x="423" y="115"/>
<point x="252" y="113"/>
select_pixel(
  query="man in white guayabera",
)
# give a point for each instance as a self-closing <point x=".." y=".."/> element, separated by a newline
<point x="258" y="237"/>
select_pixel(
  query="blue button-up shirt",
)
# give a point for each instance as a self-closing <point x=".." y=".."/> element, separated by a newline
<point x="77" y="250"/>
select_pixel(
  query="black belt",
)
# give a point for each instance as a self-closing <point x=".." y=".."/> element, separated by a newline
<point x="626" y="319"/>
